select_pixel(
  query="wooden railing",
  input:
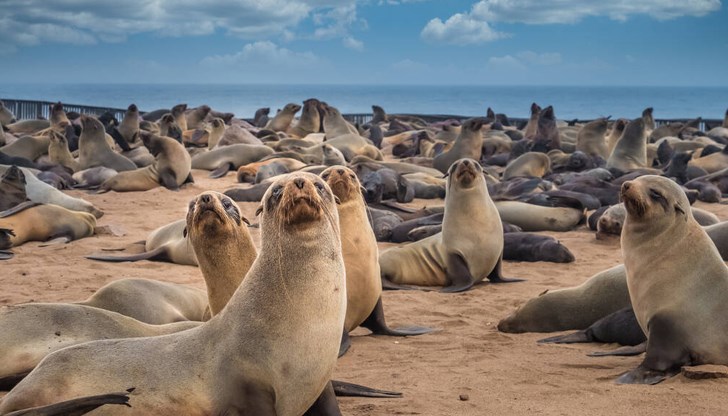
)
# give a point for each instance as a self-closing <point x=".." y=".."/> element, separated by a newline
<point x="28" y="109"/>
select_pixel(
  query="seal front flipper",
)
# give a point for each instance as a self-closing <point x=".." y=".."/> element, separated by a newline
<point x="221" y="171"/>
<point x="345" y="343"/>
<point x="8" y="382"/>
<point x="159" y="253"/>
<point x="326" y="404"/>
<point x="628" y="351"/>
<point x="76" y="407"/>
<point x="496" y="275"/>
<point x="168" y="180"/>
<point x="18" y="208"/>
<point x="376" y="323"/>
<point x="458" y="274"/>
<point x="6" y="255"/>
<point x="344" y="389"/>
<point x="573" y="338"/>
<point x="665" y="353"/>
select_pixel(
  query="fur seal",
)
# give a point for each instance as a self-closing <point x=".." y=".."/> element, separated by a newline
<point x="713" y="162"/>
<point x="170" y="169"/>
<point x="334" y="124"/>
<point x="520" y="246"/>
<point x="58" y="152"/>
<point x="196" y="116"/>
<point x="150" y="301"/>
<point x="28" y="147"/>
<point x="94" y="177"/>
<point x="469" y="144"/>
<point x="222" y="159"/>
<point x="620" y="327"/>
<point x="167" y="243"/>
<point x="529" y="164"/>
<point x="32" y="222"/>
<point x="283" y="119"/>
<point x="129" y="126"/>
<point x="615" y="134"/>
<point x="12" y="188"/>
<point x="310" y="120"/>
<point x="6" y="116"/>
<point x="529" y="132"/>
<point x="27" y="127"/>
<point x="630" y="152"/>
<point x="591" y="138"/>
<point x="470" y="247"/>
<point x="361" y="259"/>
<point x="282" y="373"/>
<point x="214" y="220"/>
<point x="680" y="308"/>
<point x="571" y="308"/>
<point x="260" y="119"/>
<point x="94" y="150"/>
<point x="532" y="217"/>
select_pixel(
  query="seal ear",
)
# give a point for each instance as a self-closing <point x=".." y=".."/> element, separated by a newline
<point x="184" y="233"/>
<point x="338" y="201"/>
<point x="680" y="209"/>
<point x="259" y="210"/>
<point x="446" y="175"/>
<point x="245" y="220"/>
<point x="363" y="190"/>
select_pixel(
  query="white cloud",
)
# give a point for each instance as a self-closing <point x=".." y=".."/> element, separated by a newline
<point x="460" y="29"/>
<point x="261" y="53"/>
<point x="352" y="43"/>
<point x="522" y="60"/>
<point x="476" y="26"/>
<point x="32" y="22"/>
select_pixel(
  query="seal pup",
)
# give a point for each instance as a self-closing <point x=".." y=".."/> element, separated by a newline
<point x="469" y="248"/>
<point x="469" y="144"/>
<point x="167" y="243"/>
<point x="681" y="308"/>
<point x="214" y="221"/>
<point x="281" y="361"/>
<point x="630" y="152"/>
<point x="171" y="168"/>
<point x="361" y="259"/>
<point x="94" y="150"/>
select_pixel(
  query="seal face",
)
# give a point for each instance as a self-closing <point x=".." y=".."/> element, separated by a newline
<point x="207" y="213"/>
<point x="299" y="200"/>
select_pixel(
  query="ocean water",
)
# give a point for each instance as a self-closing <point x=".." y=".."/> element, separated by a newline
<point x="515" y="101"/>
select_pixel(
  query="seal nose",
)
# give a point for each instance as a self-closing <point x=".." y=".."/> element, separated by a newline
<point x="466" y="163"/>
<point x="205" y="199"/>
<point x="626" y="185"/>
<point x="340" y="171"/>
<point x="299" y="182"/>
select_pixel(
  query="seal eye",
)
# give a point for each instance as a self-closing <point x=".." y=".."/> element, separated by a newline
<point x="326" y="175"/>
<point x="319" y="186"/>
<point x="655" y="195"/>
<point x="226" y="204"/>
<point x="277" y="190"/>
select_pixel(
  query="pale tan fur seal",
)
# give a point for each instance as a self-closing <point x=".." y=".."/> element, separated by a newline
<point x="630" y="151"/>
<point x="171" y="168"/>
<point x="361" y="258"/>
<point x="58" y="152"/>
<point x="283" y="119"/>
<point x="677" y="281"/>
<point x="276" y="361"/>
<point x="529" y="164"/>
<point x="94" y="150"/>
<point x="469" y="248"/>
<point x="32" y="222"/>
<point x="591" y="138"/>
<point x="469" y="144"/>
<point x="129" y="126"/>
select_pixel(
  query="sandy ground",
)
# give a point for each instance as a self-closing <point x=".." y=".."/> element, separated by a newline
<point x="499" y="373"/>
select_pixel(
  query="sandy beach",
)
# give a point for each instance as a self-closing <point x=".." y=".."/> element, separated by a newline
<point x="466" y="368"/>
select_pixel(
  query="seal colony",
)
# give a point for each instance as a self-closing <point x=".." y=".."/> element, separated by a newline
<point x="487" y="215"/>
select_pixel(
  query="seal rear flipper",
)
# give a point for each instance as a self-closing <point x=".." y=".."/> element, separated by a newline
<point x="573" y="338"/>
<point x="628" y="351"/>
<point x="159" y="254"/>
<point x="496" y="275"/>
<point x="375" y="322"/>
<point x="6" y="255"/>
<point x="18" y="208"/>
<point x="344" y="389"/>
<point x="64" y="239"/>
<point x="326" y="404"/>
<point x="345" y="343"/>
<point x="221" y="171"/>
<point x="76" y="407"/>
<point x="168" y="180"/>
<point x="189" y="179"/>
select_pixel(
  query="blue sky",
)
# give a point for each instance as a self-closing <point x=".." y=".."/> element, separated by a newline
<point x="486" y="42"/>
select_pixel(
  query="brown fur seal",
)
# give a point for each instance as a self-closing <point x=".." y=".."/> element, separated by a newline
<point x="630" y="151"/>
<point x="22" y="127"/>
<point x="129" y="126"/>
<point x="529" y="132"/>
<point x="310" y="120"/>
<point x="532" y="217"/>
<point x="279" y="363"/>
<point x="571" y="308"/>
<point x="58" y="152"/>
<point x="361" y="259"/>
<point x="33" y="222"/>
<point x="222" y="159"/>
<point x="470" y="247"/>
<point x="283" y="119"/>
<point x="334" y="123"/>
<point x="213" y="219"/>
<point x="170" y="169"/>
<point x="469" y="144"/>
<point x="529" y="164"/>
<point x="94" y="150"/>
<point x="196" y="116"/>
<point x="58" y="119"/>
<point x="713" y="162"/>
<point x="591" y="138"/>
<point x="167" y="243"/>
<point x="681" y="307"/>
<point x="615" y="134"/>
<point x="12" y="188"/>
<point x="178" y="112"/>
<point x="28" y="147"/>
<point x="151" y="301"/>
